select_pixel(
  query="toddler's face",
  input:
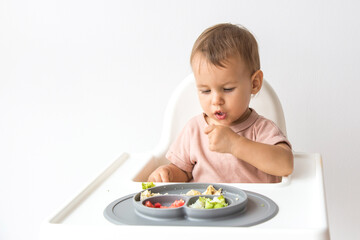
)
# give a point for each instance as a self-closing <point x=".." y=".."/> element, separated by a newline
<point x="224" y="93"/>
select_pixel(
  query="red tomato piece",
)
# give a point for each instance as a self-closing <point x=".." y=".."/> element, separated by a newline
<point x="181" y="203"/>
<point x="177" y="203"/>
<point x="149" y="204"/>
<point x="157" y="205"/>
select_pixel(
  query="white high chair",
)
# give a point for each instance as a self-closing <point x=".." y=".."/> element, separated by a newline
<point x="184" y="104"/>
<point x="301" y="198"/>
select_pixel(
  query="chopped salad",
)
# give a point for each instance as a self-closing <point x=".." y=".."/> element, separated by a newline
<point x="208" y="203"/>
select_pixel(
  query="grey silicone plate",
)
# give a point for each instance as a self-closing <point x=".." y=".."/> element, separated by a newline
<point x="245" y="208"/>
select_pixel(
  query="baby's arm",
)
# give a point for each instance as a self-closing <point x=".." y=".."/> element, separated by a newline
<point x="273" y="159"/>
<point x="169" y="173"/>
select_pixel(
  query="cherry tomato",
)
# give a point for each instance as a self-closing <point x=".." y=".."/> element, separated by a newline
<point x="175" y="204"/>
<point x="149" y="204"/>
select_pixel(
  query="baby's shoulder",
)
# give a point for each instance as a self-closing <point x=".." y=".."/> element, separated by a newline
<point x="263" y="124"/>
<point x="262" y="121"/>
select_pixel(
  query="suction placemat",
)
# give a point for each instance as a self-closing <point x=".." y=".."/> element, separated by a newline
<point x="249" y="208"/>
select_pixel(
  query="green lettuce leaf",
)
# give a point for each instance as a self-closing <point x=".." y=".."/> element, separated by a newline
<point x="147" y="185"/>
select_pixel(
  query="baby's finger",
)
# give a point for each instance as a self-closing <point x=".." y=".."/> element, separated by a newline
<point x="164" y="175"/>
<point x="157" y="178"/>
<point x="151" y="178"/>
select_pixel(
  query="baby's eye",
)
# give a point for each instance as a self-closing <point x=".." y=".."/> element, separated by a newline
<point x="228" y="89"/>
<point x="205" y="91"/>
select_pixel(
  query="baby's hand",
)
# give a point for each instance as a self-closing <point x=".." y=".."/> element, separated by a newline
<point x="161" y="174"/>
<point x="220" y="137"/>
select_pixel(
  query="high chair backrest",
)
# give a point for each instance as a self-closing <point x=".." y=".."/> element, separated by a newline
<point x="184" y="104"/>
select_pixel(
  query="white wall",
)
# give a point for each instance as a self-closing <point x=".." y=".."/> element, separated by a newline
<point x="83" y="81"/>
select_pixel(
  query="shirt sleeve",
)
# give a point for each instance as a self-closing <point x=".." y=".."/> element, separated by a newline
<point x="179" y="151"/>
<point x="268" y="132"/>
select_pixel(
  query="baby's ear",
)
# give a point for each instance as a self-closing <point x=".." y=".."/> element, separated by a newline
<point x="256" y="81"/>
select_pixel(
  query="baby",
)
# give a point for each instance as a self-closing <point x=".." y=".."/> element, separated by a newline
<point x="228" y="142"/>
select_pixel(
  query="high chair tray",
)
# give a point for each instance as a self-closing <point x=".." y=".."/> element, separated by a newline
<point x="245" y="208"/>
<point x="300" y="198"/>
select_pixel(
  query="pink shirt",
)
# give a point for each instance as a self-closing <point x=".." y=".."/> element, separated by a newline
<point x="191" y="153"/>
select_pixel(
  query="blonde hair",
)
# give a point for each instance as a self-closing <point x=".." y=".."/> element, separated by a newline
<point x="225" y="40"/>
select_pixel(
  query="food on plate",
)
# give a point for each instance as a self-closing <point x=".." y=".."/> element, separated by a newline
<point x="208" y="203"/>
<point x="212" y="191"/>
<point x="147" y="193"/>
<point x="146" y="185"/>
<point x="175" y="204"/>
<point x="193" y="192"/>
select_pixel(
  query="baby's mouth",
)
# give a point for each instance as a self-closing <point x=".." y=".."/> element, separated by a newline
<point x="220" y="115"/>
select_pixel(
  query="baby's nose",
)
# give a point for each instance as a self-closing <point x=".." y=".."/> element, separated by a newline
<point x="217" y="99"/>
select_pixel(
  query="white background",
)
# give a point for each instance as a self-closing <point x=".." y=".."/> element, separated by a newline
<point x="83" y="81"/>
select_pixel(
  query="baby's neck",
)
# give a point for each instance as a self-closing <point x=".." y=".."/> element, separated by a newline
<point x="243" y="117"/>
